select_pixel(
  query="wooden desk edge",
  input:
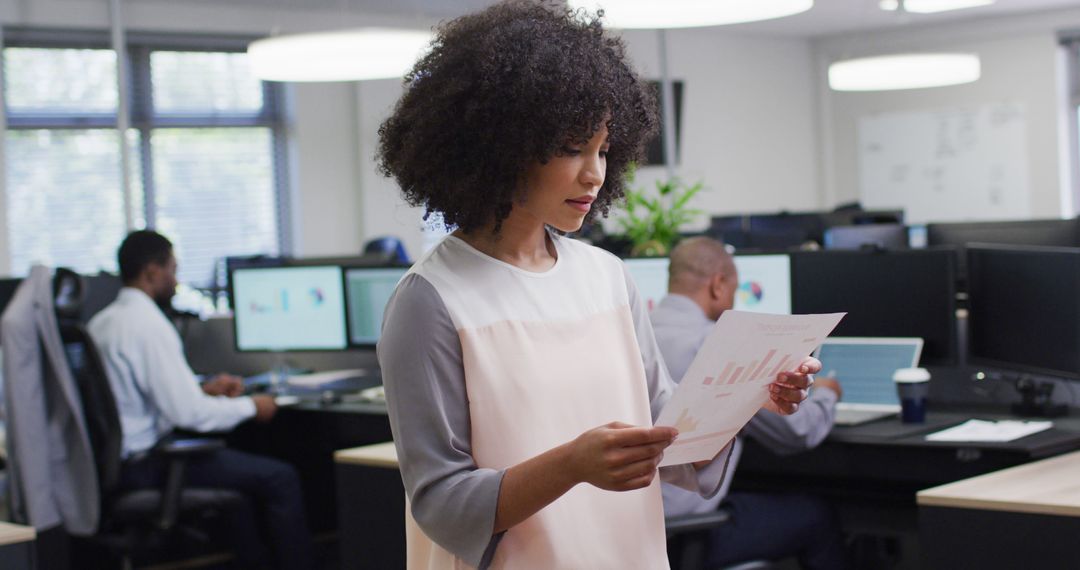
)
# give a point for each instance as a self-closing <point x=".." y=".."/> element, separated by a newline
<point x="925" y="500"/>
<point x="376" y="455"/>
<point x="14" y="533"/>
<point x="973" y="493"/>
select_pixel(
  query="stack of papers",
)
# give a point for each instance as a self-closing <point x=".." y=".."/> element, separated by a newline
<point x="983" y="430"/>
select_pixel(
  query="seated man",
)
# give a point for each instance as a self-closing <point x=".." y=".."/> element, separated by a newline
<point x="157" y="392"/>
<point x="701" y="284"/>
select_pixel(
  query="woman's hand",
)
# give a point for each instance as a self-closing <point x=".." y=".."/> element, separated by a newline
<point x="790" y="388"/>
<point x="618" y="456"/>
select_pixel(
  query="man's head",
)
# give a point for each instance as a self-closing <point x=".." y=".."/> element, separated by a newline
<point x="702" y="269"/>
<point x="147" y="263"/>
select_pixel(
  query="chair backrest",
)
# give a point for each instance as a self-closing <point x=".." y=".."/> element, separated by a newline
<point x="98" y="402"/>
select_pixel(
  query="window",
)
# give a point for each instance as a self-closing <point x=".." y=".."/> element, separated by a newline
<point x="204" y="148"/>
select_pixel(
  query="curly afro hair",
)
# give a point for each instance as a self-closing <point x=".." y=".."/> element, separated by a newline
<point x="503" y="89"/>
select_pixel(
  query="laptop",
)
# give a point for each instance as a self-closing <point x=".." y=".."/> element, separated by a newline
<point x="865" y="366"/>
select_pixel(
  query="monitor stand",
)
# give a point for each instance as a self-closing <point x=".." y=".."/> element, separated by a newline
<point x="1035" y="399"/>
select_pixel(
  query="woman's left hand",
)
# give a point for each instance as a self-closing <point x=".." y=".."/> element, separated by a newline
<point x="791" y="388"/>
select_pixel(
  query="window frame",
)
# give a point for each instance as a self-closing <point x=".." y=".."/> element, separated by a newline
<point x="1070" y="46"/>
<point x="143" y="120"/>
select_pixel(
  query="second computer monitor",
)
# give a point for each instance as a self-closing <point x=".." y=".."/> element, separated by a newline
<point x="885" y="294"/>
<point x="367" y="291"/>
<point x="289" y="308"/>
<point x="1024" y="309"/>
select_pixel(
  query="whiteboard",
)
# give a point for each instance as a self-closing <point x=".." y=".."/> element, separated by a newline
<point x="946" y="165"/>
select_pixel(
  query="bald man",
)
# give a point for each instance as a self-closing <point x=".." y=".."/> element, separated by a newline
<point x="702" y="283"/>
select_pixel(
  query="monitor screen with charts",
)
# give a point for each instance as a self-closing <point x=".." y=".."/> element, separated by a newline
<point x="650" y="275"/>
<point x="367" y="292"/>
<point x="865" y="366"/>
<point x="764" y="283"/>
<point x="289" y="308"/>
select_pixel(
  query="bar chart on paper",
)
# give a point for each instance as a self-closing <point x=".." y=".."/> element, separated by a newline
<point x="727" y="382"/>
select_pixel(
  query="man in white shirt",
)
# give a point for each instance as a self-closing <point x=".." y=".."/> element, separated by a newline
<point x="157" y="392"/>
<point x="702" y="283"/>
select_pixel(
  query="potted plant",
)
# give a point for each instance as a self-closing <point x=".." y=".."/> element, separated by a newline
<point x="652" y="220"/>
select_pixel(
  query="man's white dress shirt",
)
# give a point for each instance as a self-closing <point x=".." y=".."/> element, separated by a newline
<point x="155" y="389"/>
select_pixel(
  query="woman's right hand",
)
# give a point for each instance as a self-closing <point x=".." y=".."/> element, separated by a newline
<point x="618" y="456"/>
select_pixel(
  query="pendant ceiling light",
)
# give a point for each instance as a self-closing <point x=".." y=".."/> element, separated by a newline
<point x="904" y="71"/>
<point x="347" y="55"/>
<point x="931" y="6"/>
<point x="654" y="14"/>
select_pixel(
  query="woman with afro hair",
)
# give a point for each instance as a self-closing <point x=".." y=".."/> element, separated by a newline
<point x="522" y="377"/>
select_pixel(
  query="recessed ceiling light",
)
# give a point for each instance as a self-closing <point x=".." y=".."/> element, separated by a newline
<point x="904" y="71"/>
<point x="932" y="6"/>
<point x="654" y="14"/>
<point x="347" y="55"/>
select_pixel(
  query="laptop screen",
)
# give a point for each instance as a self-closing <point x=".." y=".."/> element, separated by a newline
<point x="865" y="366"/>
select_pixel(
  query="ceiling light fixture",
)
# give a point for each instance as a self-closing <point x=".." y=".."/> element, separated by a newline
<point x="931" y="6"/>
<point x="904" y="71"/>
<point x="346" y="55"/>
<point x="650" y="14"/>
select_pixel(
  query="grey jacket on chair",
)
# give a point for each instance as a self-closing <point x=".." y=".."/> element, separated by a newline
<point x="51" y="474"/>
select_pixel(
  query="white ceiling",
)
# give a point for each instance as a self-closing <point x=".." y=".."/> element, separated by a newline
<point x="827" y="17"/>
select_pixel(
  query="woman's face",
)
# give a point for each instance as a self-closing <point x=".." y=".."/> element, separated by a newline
<point x="561" y="192"/>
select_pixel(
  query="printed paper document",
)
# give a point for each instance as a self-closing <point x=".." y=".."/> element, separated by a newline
<point x="983" y="430"/>
<point x="727" y="382"/>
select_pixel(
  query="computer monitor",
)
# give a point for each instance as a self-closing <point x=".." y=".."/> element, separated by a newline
<point x="367" y="291"/>
<point x="234" y="262"/>
<point x="289" y="308"/>
<point x="1055" y="232"/>
<point x="764" y="283"/>
<point x="909" y="293"/>
<point x="873" y="236"/>
<point x="788" y="229"/>
<point x="1024" y="309"/>
<point x="650" y="275"/>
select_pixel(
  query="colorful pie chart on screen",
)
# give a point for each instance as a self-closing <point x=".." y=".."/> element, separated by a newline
<point x="750" y="293"/>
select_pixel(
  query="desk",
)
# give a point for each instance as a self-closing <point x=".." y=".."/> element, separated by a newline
<point x="893" y="461"/>
<point x="17" y="546"/>
<point x="372" y="519"/>
<point x="873" y="471"/>
<point x="1026" y="516"/>
<point x="307" y="436"/>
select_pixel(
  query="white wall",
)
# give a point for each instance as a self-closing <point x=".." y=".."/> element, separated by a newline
<point x="749" y="120"/>
<point x="1021" y="63"/>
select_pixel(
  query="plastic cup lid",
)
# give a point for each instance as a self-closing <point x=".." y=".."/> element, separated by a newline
<point x="911" y="375"/>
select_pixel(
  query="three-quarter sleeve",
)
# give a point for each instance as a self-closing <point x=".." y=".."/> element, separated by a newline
<point x="452" y="500"/>
<point x="706" y="481"/>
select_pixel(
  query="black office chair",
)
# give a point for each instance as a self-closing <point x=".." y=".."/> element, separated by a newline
<point x="136" y="522"/>
<point x="688" y="541"/>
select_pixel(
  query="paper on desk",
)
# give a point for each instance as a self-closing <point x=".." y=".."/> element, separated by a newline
<point x="983" y="430"/>
<point x="726" y="383"/>
<point x="318" y="379"/>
